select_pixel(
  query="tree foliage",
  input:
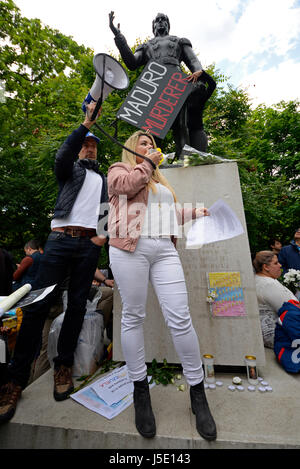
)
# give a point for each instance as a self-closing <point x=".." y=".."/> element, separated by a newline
<point x="46" y="76"/>
<point x="41" y="71"/>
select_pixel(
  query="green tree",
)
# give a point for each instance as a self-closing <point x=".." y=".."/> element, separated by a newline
<point x="271" y="185"/>
<point x="277" y="139"/>
<point x="40" y="73"/>
<point x="46" y="76"/>
<point x="265" y="142"/>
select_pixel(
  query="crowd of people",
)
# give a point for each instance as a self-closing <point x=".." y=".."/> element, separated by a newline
<point x="70" y="260"/>
<point x="141" y="248"/>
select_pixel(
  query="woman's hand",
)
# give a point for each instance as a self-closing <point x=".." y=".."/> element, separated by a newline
<point x="154" y="156"/>
<point x="202" y="212"/>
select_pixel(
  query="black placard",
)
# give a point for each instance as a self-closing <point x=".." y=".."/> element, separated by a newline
<point x="156" y="98"/>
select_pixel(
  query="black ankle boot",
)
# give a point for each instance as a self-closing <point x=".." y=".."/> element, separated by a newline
<point x="144" y="418"/>
<point x="204" y="420"/>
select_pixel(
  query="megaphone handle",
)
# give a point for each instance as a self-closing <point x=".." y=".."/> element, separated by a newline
<point x="100" y="100"/>
<point x="123" y="146"/>
<point x="97" y="107"/>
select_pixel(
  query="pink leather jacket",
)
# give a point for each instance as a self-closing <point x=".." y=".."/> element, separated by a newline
<point x="128" y="198"/>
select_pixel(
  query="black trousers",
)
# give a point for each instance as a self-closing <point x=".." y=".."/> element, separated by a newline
<point x="64" y="256"/>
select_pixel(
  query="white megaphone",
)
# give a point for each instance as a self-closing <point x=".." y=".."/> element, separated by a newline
<point x="110" y="75"/>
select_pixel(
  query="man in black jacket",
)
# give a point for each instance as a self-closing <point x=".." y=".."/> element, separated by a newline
<point x="29" y="265"/>
<point x="72" y="249"/>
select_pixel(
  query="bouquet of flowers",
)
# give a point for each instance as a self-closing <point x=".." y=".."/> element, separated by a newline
<point x="291" y="279"/>
<point x="212" y="295"/>
<point x="193" y="157"/>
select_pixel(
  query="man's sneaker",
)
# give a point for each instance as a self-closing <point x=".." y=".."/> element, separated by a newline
<point x="63" y="384"/>
<point x="10" y="393"/>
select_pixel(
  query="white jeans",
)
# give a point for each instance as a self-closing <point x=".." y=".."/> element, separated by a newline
<point x="157" y="260"/>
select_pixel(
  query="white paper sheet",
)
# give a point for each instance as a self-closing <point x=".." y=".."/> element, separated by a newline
<point x="13" y="298"/>
<point x="89" y="399"/>
<point x="12" y="301"/>
<point x="222" y="224"/>
<point x="112" y="387"/>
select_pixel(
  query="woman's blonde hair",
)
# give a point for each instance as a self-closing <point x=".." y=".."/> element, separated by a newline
<point x="130" y="158"/>
<point x="261" y="258"/>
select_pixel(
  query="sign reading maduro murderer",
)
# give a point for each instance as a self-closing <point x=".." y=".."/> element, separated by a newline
<point x="156" y="98"/>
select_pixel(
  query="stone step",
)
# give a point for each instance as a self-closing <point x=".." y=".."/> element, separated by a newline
<point x="244" y="419"/>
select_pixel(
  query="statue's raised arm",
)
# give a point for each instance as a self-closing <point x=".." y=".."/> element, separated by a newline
<point x="132" y="61"/>
<point x="115" y="30"/>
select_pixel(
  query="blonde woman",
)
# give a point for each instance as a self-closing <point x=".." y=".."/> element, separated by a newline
<point x="143" y="218"/>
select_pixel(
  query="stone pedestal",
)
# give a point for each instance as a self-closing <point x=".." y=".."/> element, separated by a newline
<point x="229" y="339"/>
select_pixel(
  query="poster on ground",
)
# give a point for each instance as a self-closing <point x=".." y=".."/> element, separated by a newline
<point x="110" y="395"/>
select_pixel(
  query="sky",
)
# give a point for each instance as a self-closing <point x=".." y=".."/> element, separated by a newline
<point x="256" y="43"/>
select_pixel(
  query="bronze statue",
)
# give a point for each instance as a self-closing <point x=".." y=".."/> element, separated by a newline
<point x="195" y="107"/>
<point x="167" y="50"/>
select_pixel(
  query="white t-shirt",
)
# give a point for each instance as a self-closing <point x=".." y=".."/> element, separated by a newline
<point x="160" y="217"/>
<point x="86" y="208"/>
<point x="271" y="294"/>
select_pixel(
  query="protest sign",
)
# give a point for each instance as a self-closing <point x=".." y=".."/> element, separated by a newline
<point x="156" y="98"/>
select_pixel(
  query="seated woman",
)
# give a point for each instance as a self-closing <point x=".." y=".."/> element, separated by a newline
<point x="142" y="219"/>
<point x="271" y="294"/>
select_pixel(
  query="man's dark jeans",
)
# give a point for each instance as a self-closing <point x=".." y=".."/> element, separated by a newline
<point x="64" y="255"/>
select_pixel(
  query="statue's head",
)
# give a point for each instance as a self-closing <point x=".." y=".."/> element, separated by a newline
<point x="161" y="24"/>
